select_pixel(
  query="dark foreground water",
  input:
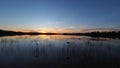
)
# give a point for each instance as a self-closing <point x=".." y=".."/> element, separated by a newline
<point x="58" y="51"/>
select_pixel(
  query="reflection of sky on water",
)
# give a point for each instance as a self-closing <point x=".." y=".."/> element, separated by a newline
<point x="55" y="48"/>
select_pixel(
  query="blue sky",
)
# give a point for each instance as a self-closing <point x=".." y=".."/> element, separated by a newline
<point x="59" y="14"/>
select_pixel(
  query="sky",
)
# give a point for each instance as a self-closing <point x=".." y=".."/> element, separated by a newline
<point x="59" y="15"/>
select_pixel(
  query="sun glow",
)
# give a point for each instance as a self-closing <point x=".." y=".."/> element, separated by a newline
<point x="58" y="30"/>
<point x="43" y="30"/>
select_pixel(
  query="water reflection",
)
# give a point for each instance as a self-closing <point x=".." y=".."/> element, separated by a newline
<point x="58" y="51"/>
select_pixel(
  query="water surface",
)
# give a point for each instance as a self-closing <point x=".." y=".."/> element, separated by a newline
<point x="58" y="51"/>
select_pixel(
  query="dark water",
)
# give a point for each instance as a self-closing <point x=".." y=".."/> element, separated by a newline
<point x="58" y="51"/>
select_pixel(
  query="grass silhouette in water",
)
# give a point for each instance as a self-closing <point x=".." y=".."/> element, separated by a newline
<point x="32" y="53"/>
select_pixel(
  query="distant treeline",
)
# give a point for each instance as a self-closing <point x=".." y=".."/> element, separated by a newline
<point x="10" y="33"/>
<point x="114" y="34"/>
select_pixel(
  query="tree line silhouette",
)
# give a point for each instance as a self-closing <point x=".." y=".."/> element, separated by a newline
<point x="113" y="34"/>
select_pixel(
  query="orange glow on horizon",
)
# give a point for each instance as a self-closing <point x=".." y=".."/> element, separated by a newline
<point x="57" y="30"/>
<point x="47" y="30"/>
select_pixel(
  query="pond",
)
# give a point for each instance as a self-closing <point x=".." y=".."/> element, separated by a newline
<point x="58" y="51"/>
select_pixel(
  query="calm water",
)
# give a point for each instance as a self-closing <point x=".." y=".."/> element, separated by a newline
<point x="58" y="51"/>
